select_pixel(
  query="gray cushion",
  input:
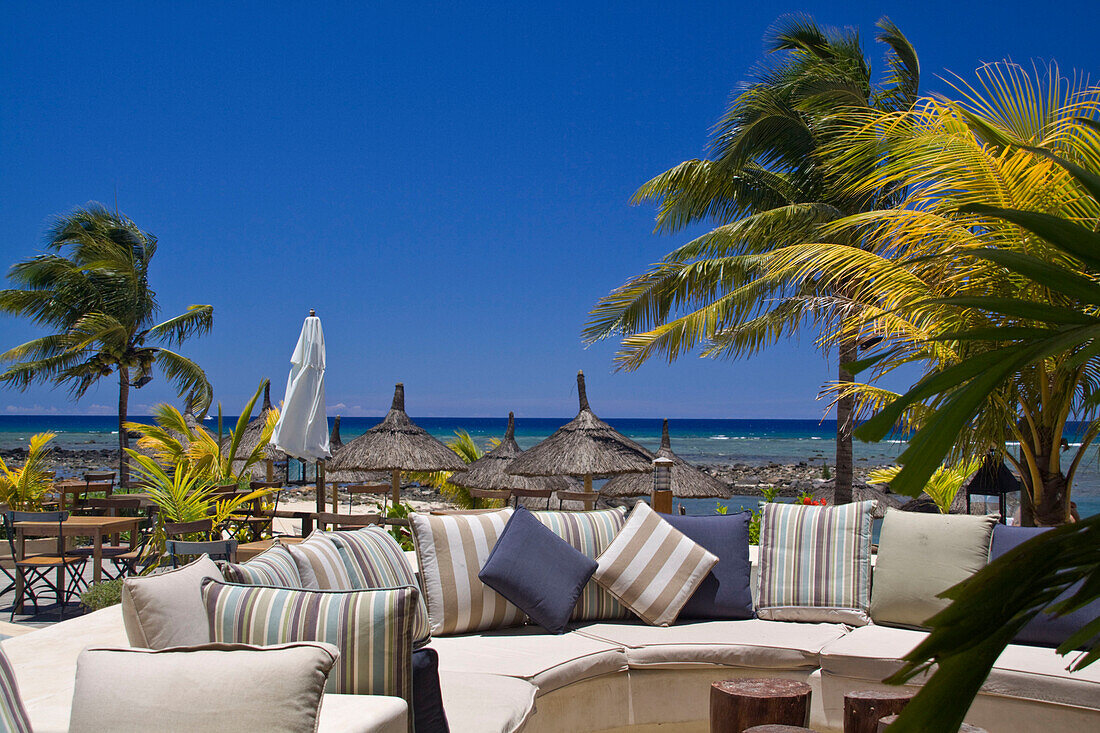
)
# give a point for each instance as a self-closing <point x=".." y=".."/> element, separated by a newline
<point x="166" y="609"/>
<point x="206" y="688"/>
<point x="919" y="557"/>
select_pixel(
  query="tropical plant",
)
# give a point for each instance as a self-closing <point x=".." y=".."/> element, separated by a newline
<point x="22" y="489"/>
<point x="990" y="607"/>
<point x="102" y="595"/>
<point x="91" y="290"/>
<point x="942" y="487"/>
<point x="773" y="183"/>
<point x="402" y="534"/>
<point x="469" y="451"/>
<point x="915" y="274"/>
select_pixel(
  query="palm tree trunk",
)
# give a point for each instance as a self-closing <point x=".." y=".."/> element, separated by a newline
<point x="123" y="436"/>
<point x="845" y="406"/>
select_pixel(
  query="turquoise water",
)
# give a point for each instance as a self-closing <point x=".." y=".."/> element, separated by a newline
<point x="753" y="442"/>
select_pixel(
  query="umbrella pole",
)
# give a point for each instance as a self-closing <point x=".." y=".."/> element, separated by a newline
<point x="336" y="500"/>
<point x="395" y="483"/>
<point x="270" y="469"/>
<point x="588" y="503"/>
<point x="320" y="486"/>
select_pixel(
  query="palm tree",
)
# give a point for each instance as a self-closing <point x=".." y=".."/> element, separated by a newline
<point x="769" y="185"/>
<point x="992" y="147"/>
<point x="91" y="290"/>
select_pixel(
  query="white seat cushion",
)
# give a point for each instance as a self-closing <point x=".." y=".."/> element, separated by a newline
<point x="485" y="703"/>
<point x="546" y="661"/>
<point x="362" y="714"/>
<point x="749" y="643"/>
<point x="1027" y="672"/>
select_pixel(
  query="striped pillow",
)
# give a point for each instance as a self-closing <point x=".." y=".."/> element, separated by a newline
<point x="374" y="560"/>
<point x="815" y="563"/>
<point x="590" y="533"/>
<point x="451" y="550"/>
<point x="275" y="566"/>
<point x="652" y="567"/>
<point x="371" y="628"/>
<point x="319" y="563"/>
<point x="13" y="716"/>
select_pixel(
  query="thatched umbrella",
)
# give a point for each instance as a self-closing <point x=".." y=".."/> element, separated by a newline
<point x="488" y="472"/>
<point x="347" y="477"/>
<point x="250" y="438"/>
<point x="688" y="482"/>
<point x="586" y="446"/>
<point x="396" y="444"/>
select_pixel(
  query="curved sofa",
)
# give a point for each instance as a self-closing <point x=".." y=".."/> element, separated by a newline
<point x="613" y="676"/>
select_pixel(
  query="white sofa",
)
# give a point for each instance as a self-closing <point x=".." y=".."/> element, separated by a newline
<point x="612" y="677"/>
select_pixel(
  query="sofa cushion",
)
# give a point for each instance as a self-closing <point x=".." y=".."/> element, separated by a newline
<point x="373" y="559"/>
<point x="371" y="628"/>
<point x="166" y="609"/>
<point x="546" y="661"/>
<point x="320" y="563"/>
<point x="486" y="703"/>
<point x="652" y="567"/>
<point x="919" y="557"/>
<point x="751" y="643"/>
<point x="274" y="688"/>
<point x="13" y="715"/>
<point x="362" y="714"/>
<point x="1027" y="672"/>
<point x="590" y="533"/>
<point x="724" y="592"/>
<point x="537" y="571"/>
<point x="815" y="563"/>
<point x="450" y="551"/>
<point x="1045" y="629"/>
<point x="273" y="566"/>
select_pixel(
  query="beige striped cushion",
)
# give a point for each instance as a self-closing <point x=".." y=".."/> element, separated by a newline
<point x="451" y="550"/>
<point x="320" y="563"/>
<point x="652" y="567"/>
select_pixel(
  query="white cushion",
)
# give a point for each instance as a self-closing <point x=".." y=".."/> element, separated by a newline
<point x="362" y="714"/>
<point x="486" y="703"/>
<point x="547" y="661"/>
<point x="166" y="609"/>
<point x="755" y="643"/>
<point x="274" y="688"/>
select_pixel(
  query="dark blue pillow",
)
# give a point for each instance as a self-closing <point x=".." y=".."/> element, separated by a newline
<point x="428" y="715"/>
<point x="724" y="593"/>
<point x="1045" y="629"/>
<point x="537" y="571"/>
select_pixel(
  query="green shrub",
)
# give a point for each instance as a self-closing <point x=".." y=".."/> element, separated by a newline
<point x="102" y="595"/>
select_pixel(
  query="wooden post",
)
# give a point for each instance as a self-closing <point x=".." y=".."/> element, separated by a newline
<point x="320" y="485"/>
<point x="660" y="499"/>
<point x="589" y="505"/>
<point x="739" y="704"/>
<point x="270" y="466"/>
<point x="395" y="484"/>
<point x="864" y="708"/>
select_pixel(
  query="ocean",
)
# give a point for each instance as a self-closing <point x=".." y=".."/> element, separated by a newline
<point x="752" y="442"/>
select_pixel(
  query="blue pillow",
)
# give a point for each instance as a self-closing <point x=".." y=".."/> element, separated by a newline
<point x="724" y="593"/>
<point x="428" y="714"/>
<point x="537" y="571"/>
<point x="1045" y="629"/>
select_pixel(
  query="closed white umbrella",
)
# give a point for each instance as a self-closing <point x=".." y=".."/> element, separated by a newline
<point x="302" y="430"/>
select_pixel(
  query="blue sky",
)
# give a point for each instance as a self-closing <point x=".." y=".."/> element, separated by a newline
<point x="446" y="184"/>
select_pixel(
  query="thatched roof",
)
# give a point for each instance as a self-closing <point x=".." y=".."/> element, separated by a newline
<point x="488" y="472"/>
<point x="350" y="477"/>
<point x="688" y="482"/>
<point x="585" y="446"/>
<point x="250" y="438"/>
<point x="396" y="443"/>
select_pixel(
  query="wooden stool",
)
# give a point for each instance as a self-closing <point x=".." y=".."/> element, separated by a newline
<point x="883" y="726"/>
<point x="779" y="729"/>
<point x="739" y="704"/>
<point x="864" y="708"/>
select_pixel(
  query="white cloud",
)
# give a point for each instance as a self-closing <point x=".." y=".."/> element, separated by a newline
<point x="338" y="406"/>
<point x="34" y="409"/>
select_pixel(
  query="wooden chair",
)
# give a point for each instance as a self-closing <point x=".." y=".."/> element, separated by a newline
<point x="257" y="520"/>
<point x="498" y="494"/>
<point x="38" y="568"/>
<point x="100" y="481"/>
<point x="180" y="530"/>
<point x="383" y="490"/>
<point x="341" y="522"/>
<point x="588" y="497"/>
<point x="217" y="550"/>
<point x="533" y="494"/>
<point x="109" y="507"/>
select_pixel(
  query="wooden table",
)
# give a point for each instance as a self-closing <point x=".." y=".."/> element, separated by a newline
<point x="95" y="527"/>
<point x="249" y="550"/>
<point x="76" y="488"/>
